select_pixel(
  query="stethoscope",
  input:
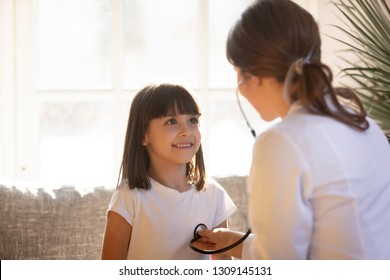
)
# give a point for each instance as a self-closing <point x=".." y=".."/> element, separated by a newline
<point x="217" y="251"/>
<point x="203" y="226"/>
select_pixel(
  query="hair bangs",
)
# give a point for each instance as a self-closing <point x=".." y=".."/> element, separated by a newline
<point x="173" y="100"/>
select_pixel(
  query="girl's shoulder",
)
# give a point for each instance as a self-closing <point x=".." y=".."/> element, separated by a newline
<point x="124" y="189"/>
<point x="211" y="182"/>
<point x="123" y="186"/>
<point x="212" y="185"/>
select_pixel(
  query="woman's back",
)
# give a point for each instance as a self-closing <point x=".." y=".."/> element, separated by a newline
<point x="348" y="187"/>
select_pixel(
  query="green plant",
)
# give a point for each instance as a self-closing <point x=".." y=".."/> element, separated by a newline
<point x="368" y="28"/>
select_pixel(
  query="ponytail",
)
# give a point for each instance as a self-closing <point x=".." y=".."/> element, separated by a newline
<point x="314" y="90"/>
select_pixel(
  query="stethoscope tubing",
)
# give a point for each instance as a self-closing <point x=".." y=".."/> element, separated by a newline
<point x="196" y="236"/>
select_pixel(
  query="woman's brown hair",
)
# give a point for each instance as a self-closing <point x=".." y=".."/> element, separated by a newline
<point x="151" y="102"/>
<point x="274" y="37"/>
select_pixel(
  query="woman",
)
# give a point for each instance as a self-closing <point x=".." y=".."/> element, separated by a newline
<point x="319" y="183"/>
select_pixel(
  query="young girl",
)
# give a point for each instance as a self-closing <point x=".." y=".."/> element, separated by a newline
<point x="163" y="192"/>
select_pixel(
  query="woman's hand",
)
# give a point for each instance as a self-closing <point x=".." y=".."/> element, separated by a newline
<point x="214" y="239"/>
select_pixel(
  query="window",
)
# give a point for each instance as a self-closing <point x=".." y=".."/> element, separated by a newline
<point x="73" y="44"/>
<point x="7" y="118"/>
<point x="70" y="69"/>
<point x="1" y="88"/>
<point x="160" y="42"/>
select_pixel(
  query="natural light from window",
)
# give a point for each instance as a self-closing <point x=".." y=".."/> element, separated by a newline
<point x="70" y="96"/>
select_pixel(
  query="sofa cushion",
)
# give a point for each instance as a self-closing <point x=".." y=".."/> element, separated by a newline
<point x="38" y="226"/>
<point x="67" y="225"/>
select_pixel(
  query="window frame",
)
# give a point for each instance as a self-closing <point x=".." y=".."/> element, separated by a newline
<point x="20" y="98"/>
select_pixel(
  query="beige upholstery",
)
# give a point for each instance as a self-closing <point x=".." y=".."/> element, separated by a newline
<point x="70" y="225"/>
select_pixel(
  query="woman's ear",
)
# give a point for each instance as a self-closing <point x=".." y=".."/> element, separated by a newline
<point x="258" y="80"/>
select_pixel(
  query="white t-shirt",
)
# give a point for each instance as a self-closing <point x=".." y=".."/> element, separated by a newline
<point x="164" y="219"/>
<point x="319" y="189"/>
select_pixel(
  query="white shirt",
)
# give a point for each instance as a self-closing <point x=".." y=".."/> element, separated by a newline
<point x="319" y="189"/>
<point x="164" y="219"/>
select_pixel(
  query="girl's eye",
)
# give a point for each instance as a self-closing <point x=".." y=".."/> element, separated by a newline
<point x="171" y="121"/>
<point x="194" y="120"/>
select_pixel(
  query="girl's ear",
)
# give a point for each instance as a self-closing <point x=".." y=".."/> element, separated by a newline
<point x="145" y="141"/>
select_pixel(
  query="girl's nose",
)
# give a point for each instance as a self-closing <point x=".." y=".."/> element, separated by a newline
<point x="184" y="130"/>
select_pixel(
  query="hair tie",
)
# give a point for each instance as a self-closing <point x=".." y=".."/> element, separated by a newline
<point x="298" y="65"/>
<point x="295" y="67"/>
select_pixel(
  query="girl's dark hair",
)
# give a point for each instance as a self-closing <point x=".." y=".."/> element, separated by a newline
<point x="271" y="36"/>
<point x="151" y="102"/>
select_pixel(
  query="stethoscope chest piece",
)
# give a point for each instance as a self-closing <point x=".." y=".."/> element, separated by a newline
<point x="198" y="228"/>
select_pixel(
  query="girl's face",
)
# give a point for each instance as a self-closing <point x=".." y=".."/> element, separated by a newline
<point x="173" y="139"/>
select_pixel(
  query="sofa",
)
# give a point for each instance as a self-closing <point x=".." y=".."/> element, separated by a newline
<point x="66" y="224"/>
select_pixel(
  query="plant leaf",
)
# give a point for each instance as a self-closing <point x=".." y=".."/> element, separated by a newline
<point x="367" y="25"/>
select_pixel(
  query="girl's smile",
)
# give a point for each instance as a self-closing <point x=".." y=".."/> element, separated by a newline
<point x="183" y="146"/>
